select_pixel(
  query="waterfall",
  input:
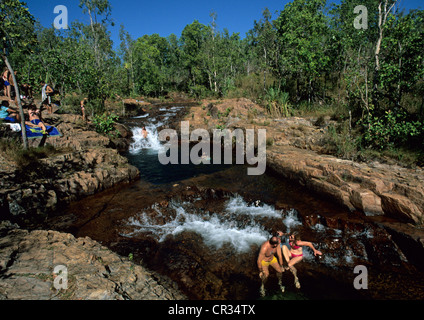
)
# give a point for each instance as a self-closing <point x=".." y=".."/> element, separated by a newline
<point x="151" y="142"/>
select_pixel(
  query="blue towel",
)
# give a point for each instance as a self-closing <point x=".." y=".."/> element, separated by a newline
<point x="37" y="132"/>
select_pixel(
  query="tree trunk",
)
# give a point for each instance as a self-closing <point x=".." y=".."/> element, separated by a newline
<point x="382" y="18"/>
<point x="18" y="99"/>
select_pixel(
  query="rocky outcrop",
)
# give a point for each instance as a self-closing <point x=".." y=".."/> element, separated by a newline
<point x="373" y="189"/>
<point x="30" y="264"/>
<point x="61" y="179"/>
<point x="294" y="151"/>
<point x="86" y="164"/>
<point x="83" y="164"/>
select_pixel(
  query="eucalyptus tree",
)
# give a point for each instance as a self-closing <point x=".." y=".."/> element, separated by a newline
<point x="302" y="30"/>
<point x="193" y="39"/>
<point x="16" y="33"/>
<point x="266" y="44"/>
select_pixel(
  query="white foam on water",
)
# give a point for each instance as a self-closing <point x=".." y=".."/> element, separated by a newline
<point x="291" y="220"/>
<point x="239" y="206"/>
<point x="142" y="116"/>
<point x="216" y="230"/>
<point x="139" y="142"/>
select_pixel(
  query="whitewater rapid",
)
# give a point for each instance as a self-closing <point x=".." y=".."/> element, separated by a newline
<point x="236" y="226"/>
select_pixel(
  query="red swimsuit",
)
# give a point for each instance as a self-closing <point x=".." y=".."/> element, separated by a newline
<point x="294" y="247"/>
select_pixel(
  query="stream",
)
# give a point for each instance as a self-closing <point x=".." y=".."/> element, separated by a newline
<point x="202" y="226"/>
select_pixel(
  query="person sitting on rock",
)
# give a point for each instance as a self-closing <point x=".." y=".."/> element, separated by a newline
<point x="35" y="119"/>
<point x="8" y="114"/>
<point x="295" y="253"/>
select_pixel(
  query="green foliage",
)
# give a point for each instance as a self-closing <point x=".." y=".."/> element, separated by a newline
<point x="394" y="129"/>
<point x="105" y="124"/>
<point x="340" y="142"/>
<point x="277" y="102"/>
<point x="309" y="50"/>
<point x="16" y="26"/>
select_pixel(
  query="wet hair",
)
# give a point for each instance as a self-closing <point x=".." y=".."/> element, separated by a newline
<point x="296" y="237"/>
<point x="273" y="240"/>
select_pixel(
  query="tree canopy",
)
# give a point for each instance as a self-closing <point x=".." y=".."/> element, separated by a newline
<point x="309" y="54"/>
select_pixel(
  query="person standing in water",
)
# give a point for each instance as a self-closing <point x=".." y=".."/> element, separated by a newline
<point x="267" y="257"/>
<point x="144" y="133"/>
<point x="295" y="253"/>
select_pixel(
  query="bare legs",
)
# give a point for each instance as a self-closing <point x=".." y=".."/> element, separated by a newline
<point x="265" y="274"/>
<point x="291" y="261"/>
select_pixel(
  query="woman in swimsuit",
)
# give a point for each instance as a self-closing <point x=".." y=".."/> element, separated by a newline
<point x="295" y="254"/>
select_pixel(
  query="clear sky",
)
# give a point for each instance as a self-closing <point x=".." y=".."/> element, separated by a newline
<point x="171" y="16"/>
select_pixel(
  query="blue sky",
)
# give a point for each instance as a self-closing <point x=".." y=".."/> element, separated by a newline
<point x="171" y="16"/>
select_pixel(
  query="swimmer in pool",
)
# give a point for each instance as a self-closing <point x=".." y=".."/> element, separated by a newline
<point x="144" y="133"/>
<point x="295" y="254"/>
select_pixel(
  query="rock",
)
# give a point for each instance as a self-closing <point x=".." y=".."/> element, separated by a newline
<point x="87" y="166"/>
<point x="366" y="201"/>
<point x="374" y="188"/>
<point x="397" y="193"/>
<point x="401" y="207"/>
<point x="28" y="261"/>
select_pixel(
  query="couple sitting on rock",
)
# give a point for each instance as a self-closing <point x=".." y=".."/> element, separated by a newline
<point x="293" y="255"/>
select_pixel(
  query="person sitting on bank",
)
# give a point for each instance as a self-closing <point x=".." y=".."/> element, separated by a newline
<point x="35" y="119"/>
<point x="8" y="114"/>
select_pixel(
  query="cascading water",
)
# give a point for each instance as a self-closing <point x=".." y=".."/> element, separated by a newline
<point x="151" y="142"/>
<point x="235" y="226"/>
<point x="143" y="152"/>
<point x="202" y="225"/>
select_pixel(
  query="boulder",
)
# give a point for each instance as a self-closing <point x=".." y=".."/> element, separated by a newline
<point x="29" y="264"/>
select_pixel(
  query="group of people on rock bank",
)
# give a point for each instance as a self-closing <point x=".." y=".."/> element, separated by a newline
<point x="272" y="252"/>
<point x="33" y="113"/>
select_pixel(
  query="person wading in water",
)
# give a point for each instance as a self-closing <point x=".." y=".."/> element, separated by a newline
<point x="267" y="258"/>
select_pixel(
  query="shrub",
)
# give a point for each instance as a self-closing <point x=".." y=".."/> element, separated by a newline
<point x="393" y="129"/>
<point x="105" y="124"/>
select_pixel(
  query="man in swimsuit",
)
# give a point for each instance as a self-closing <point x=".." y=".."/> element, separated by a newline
<point x="267" y="258"/>
<point x="46" y="93"/>
<point x="295" y="254"/>
<point x="35" y="120"/>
